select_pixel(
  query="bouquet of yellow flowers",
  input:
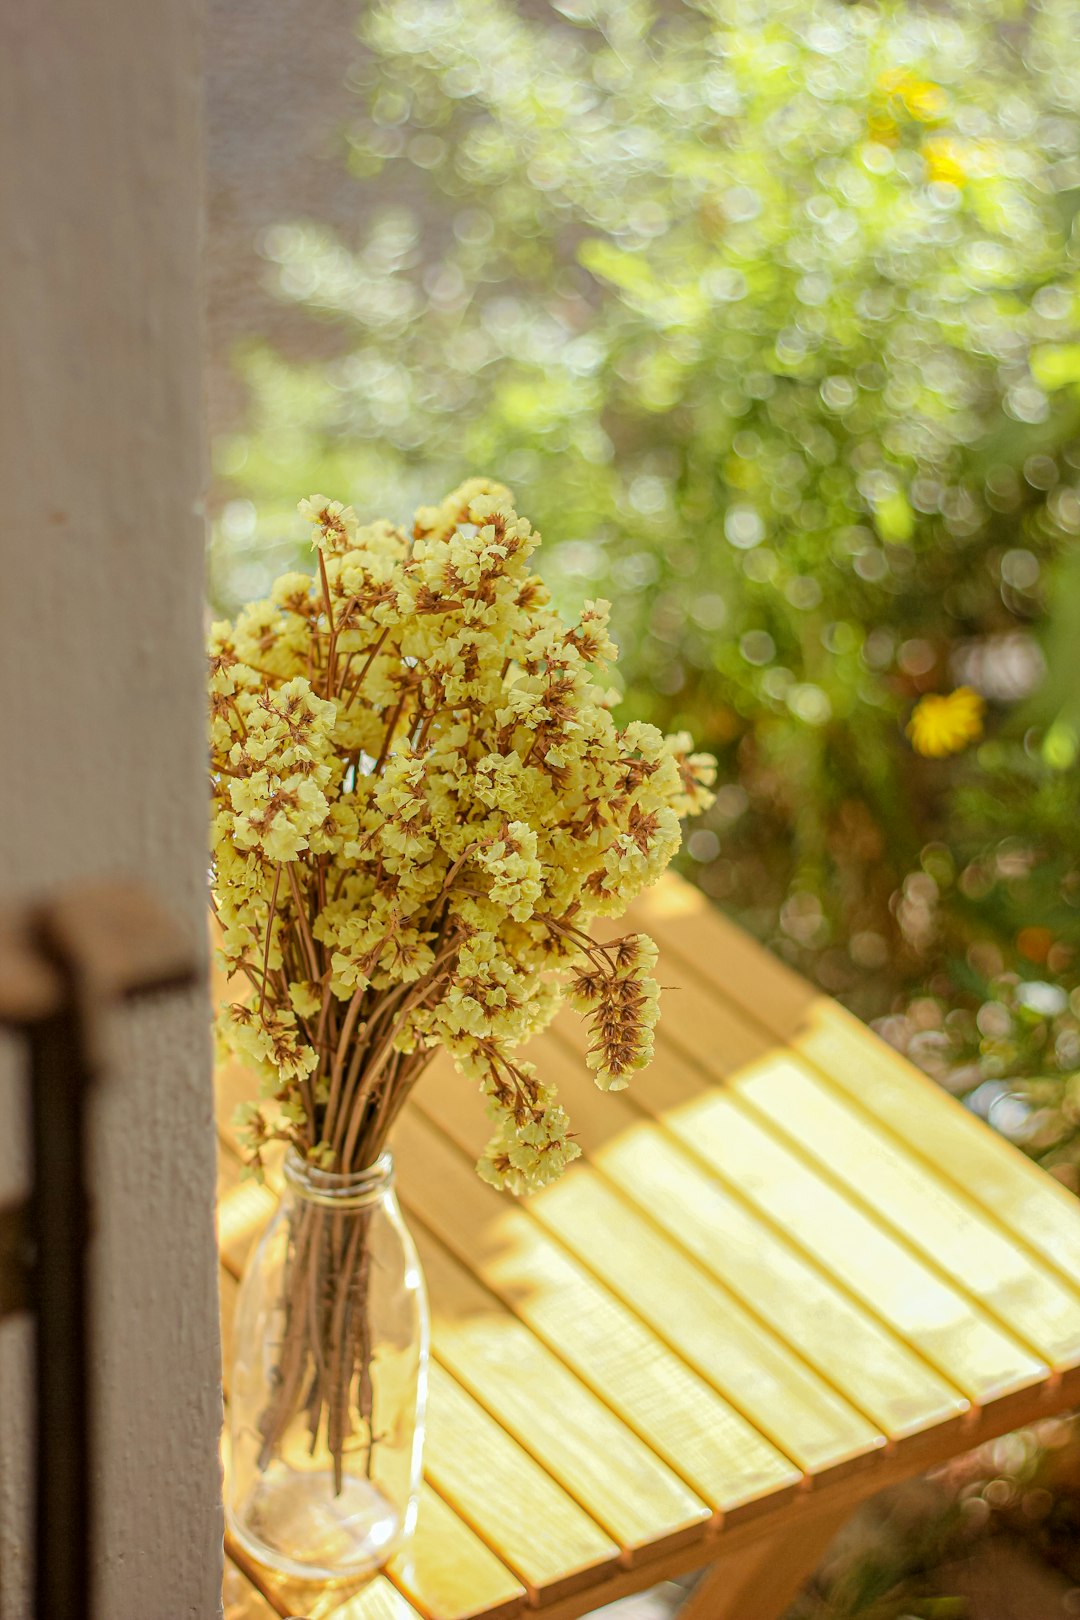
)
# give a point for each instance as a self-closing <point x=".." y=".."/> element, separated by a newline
<point x="420" y="799"/>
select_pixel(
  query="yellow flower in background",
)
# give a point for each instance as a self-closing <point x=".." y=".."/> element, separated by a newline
<point x="900" y="95"/>
<point x="921" y="99"/>
<point x="948" y="159"/>
<point x="944" y="724"/>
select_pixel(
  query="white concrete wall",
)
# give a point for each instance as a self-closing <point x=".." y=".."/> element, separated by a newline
<point x="101" y="723"/>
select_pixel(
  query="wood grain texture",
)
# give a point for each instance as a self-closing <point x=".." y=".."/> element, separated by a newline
<point x="379" y="1600"/>
<point x="977" y="1162"/>
<point x="703" y="1322"/>
<point x="876" y="1266"/>
<point x="831" y="1120"/>
<point x="708" y="1040"/>
<point x="538" y="1531"/>
<point x="950" y="1232"/>
<point x="726" y="1461"/>
<point x="877" y="1263"/>
<point x="448" y="1573"/>
<point x="756" y="1279"/>
<point x="846" y="1344"/>
<point x="597" y="1460"/>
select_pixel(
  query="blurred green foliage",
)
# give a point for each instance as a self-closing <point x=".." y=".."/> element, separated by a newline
<point x="768" y="311"/>
<point x="904" y="1553"/>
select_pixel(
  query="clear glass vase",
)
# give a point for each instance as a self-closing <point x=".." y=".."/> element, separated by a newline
<point x="329" y="1375"/>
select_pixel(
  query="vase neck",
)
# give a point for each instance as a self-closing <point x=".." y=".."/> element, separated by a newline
<point x="351" y="1191"/>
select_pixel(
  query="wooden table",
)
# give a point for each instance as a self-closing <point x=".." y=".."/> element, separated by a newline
<point x="788" y="1271"/>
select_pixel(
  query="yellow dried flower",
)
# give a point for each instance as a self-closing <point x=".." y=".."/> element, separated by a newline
<point x="420" y="799"/>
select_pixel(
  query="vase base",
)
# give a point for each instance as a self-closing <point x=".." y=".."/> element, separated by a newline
<point x="293" y="1523"/>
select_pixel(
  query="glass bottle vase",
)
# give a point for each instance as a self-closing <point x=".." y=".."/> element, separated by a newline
<point x="329" y="1375"/>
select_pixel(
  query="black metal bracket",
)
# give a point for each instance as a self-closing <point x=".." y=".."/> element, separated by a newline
<point x="62" y="964"/>
<point x="16" y="1258"/>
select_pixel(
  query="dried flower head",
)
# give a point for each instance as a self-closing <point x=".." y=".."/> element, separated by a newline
<point x="420" y="799"/>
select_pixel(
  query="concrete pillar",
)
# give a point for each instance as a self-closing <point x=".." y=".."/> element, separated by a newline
<point x="101" y="726"/>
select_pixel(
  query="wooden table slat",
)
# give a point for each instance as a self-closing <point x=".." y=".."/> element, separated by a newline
<point x="847" y="1345"/>
<point x="243" y="1209"/>
<point x="785" y="1256"/>
<point x="377" y="1600"/>
<point x="879" y="1267"/>
<point x="551" y="1544"/>
<point x="596" y="1459"/>
<point x="448" y="1573"/>
<point x="780" y="1395"/>
<point x="602" y="1465"/>
<point x="921" y="1207"/>
<point x="726" y="1461"/>
<point x="975" y="1251"/>
<point x="975" y="1160"/>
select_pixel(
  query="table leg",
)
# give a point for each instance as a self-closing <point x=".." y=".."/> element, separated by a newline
<point x="759" y="1581"/>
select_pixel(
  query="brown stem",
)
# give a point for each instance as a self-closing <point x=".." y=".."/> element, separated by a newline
<point x="332" y="647"/>
<point x="359" y="1048"/>
<point x="351" y="1100"/>
<point x="447" y="882"/>
<point x="290" y="1368"/>
<point x="269" y="938"/>
<point x="366" y="1388"/>
<point x="339" y="1058"/>
<point x="398" y="1083"/>
<point x="372" y="655"/>
<point x="337" y="1419"/>
<point x="398" y="1096"/>
<point x="327" y="1336"/>
<point x="302" y="922"/>
<point x="355" y="1111"/>
<point x="389" y="737"/>
<point x="320" y="880"/>
<point x="236" y="710"/>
